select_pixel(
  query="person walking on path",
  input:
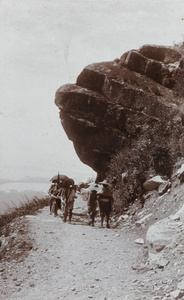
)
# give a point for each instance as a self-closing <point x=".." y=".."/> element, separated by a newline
<point x="55" y="200"/>
<point x="92" y="205"/>
<point x="69" y="199"/>
<point x="105" y="201"/>
<point x="51" y="193"/>
<point x="55" y="192"/>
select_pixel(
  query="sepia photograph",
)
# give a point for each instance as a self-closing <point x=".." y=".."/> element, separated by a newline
<point x="92" y="150"/>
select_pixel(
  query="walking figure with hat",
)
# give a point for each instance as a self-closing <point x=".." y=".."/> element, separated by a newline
<point x="92" y="206"/>
<point x="105" y="201"/>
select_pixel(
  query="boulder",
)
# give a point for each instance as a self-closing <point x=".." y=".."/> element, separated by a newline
<point x="114" y="103"/>
<point x="163" y="54"/>
<point x="139" y="241"/>
<point x="177" y="294"/>
<point x="156" y="62"/>
<point x="158" y="260"/>
<point x="134" y="61"/>
<point x="153" y="183"/>
<point x="164" y="236"/>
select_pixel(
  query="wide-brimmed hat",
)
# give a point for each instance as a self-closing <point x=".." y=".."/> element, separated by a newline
<point x="104" y="182"/>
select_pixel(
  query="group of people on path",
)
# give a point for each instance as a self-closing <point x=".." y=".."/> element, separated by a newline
<point x="102" y="198"/>
<point x="63" y="196"/>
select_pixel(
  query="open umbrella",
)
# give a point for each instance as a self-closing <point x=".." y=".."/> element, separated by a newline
<point x="70" y="180"/>
<point x="59" y="177"/>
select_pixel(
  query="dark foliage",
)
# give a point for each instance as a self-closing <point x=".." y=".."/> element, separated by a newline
<point x="154" y="152"/>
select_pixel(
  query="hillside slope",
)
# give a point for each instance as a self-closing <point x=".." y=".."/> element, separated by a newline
<point x="48" y="259"/>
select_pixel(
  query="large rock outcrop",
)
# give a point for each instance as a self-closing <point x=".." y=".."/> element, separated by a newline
<point x="165" y="238"/>
<point x="114" y="102"/>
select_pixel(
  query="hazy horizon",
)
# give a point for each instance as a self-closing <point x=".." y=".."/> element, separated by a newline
<point x="47" y="43"/>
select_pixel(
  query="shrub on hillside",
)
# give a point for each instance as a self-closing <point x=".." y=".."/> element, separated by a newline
<point x="154" y="152"/>
<point x="179" y="47"/>
<point x="28" y="207"/>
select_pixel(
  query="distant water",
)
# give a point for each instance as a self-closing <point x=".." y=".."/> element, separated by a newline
<point x="14" y="193"/>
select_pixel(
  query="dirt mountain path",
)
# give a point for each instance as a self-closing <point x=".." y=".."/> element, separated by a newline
<point x="77" y="261"/>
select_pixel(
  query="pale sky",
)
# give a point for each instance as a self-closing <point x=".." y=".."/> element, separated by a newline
<point x="47" y="43"/>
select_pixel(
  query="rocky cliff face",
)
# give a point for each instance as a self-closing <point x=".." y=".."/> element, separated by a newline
<point x="118" y="101"/>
